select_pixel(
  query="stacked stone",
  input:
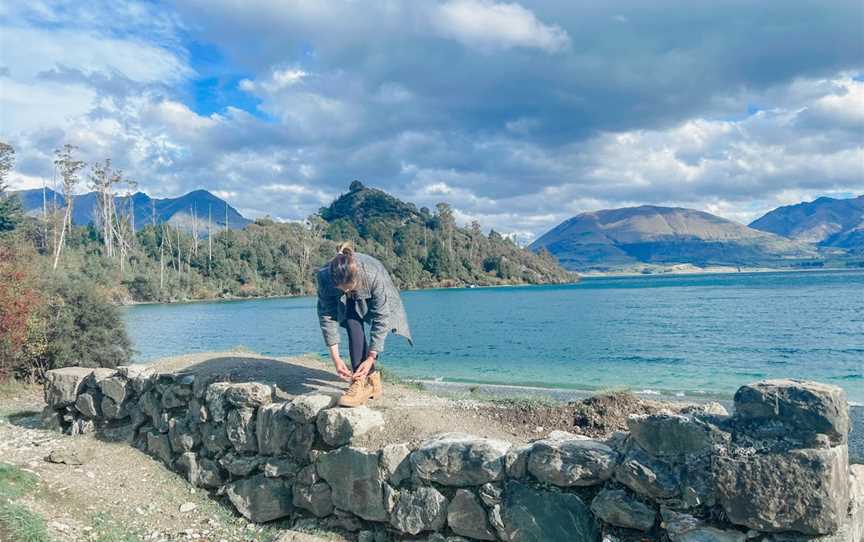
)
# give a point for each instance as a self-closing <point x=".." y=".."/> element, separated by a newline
<point x="777" y="470"/>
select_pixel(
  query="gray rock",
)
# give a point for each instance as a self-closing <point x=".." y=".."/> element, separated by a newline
<point x="516" y="461"/>
<point x="158" y="445"/>
<point x="711" y="408"/>
<point x="808" y="407"/>
<point x="182" y="437"/>
<point x="354" y="478"/>
<point x="115" y="387"/>
<point x="308" y="475"/>
<point x="797" y="490"/>
<point x="214" y="398"/>
<point x="197" y="412"/>
<point x="67" y="456"/>
<point x="62" y="386"/>
<point x="572" y="462"/>
<point x="395" y="463"/>
<point x="686" y="528"/>
<point x="467" y="517"/>
<point x="240" y="465"/>
<point x="214" y="437"/>
<point x="87" y="405"/>
<point x="674" y="436"/>
<point x="647" y="475"/>
<point x="51" y="419"/>
<point x="176" y="397"/>
<point x="260" y="499"/>
<point x="82" y="427"/>
<point x="338" y="426"/>
<point x="422" y="509"/>
<point x="273" y="428"/>
<point x="276" y="467"/>
<point x="457" y="459"/>
<point x="200" y="472"/>
<point x="616" y="507"/>
<point x="151" y="405"/>
<point x="531" y="515"/>
<point x="112" y="410"/>
<point x="301" y="440"/>
<point x="240" y="426"/>
<point x="249" y="394"/>
<point x="96" y="377"/>
<point x="316" y="498"/>
<point x="305" y="408"/>
<point x="490" y="494"/>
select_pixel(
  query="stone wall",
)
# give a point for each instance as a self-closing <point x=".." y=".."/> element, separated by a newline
<point x="777" y="470"/>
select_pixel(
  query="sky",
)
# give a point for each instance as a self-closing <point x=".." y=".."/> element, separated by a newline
<point x="520" y="115"/>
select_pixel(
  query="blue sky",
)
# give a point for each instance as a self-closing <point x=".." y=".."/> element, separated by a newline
<point x="519" y="114"/>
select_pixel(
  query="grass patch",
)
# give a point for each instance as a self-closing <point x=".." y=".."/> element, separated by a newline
<point x="15" y="482"/>
<point x="108" y="531"/>
<point x="518" y="402"/>
<point x="17" y="522"/>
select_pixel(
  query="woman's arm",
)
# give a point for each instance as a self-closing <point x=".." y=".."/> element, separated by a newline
<point x="327" y="318"/>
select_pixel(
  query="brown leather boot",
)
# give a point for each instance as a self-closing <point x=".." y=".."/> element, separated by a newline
<point x="375" y="382"/>
<point x="357" y="394"/>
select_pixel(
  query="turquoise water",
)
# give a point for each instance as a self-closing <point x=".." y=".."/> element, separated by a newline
<point x="699" y="335"/>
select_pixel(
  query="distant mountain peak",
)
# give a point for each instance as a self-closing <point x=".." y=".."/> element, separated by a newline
<point x="826" y="221"/>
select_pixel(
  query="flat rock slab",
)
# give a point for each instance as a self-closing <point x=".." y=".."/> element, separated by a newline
<point x="261" y="499"/>
<point x="676" y="435"/>
<point x="305" y="408"/>
<point x="62" y="386"/>
<point x="457" y="459"/>
<point x="532" y="515"/>
<point x="339" y="425"/>
<point x="353" y="476"/>
<point x="686" y="528"/>
<point x="467" y="517"/>
<point x="423" y="509"/>
<point x="809" y="407"/>
<point x="617" y="507"/>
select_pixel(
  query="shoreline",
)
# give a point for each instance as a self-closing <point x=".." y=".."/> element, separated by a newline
<point x="714" y="271"/>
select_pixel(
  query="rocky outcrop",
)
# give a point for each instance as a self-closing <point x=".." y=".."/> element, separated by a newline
<point x="775" y="471"/>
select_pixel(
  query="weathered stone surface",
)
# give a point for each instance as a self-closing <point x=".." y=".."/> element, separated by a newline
<point x="68" y="456"/>
<point x="316" y="498"/>
<point x="214" y="398"/>
<point x="490" y="494"/>
<point x="647" y="475"/>
<point x="353" y="476"/>
<point x="182" y="437"/>
<point x="308" y="475"/>
<point x="97" y="375"/>
<point x="808" y="407"/>
<point x="572" y="462"/>
<point x="249" y="394"/>
<point x="531" y="515"/>
<point x="395" y="463"/>
<point x="457" y="459"/>
<point x="797" y="490"/>
<point x="422" y="509"/>
<point x="200" y="472"/>
<point x="240" y="465"/>
<point x="240" y="426"/>
<point x="616" y="507"/>
<point x="516" y="461"/>
<point x="214" y="437"/>
<point x="261" y="499"/>
<point x="158" y="445"/>
<point x="150" y="404"/>
<point x="115" y="387"/>
<point x="301" y="440"/>
<point x="338" y="426"/>
<point x="305" y="408"/>
<point x="467" y="517"/>
<point x="82" y="427"/>
<point x="87" y="405"/>
<point x="673" y="436"/>
<point x="176" y="397"/>
<point x="112" y="410"/>
<point x="276" y="467"/>
<point x="855" y="524"/>
<point x="273" y="428"/>
<point x="51" y="419"/>
<point x="686" y="528"/>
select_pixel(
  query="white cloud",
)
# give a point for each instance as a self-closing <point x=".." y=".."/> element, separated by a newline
<point x="492" y="26"/>
<point x="278" y="80"/>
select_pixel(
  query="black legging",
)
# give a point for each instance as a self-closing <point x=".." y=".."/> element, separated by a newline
<point x="357" y="346"/>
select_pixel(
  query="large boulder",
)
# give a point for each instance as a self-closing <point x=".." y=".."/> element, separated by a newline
<point x="395" y="462"/>
<point x="116" y="387"/>
<point x="338" y="426"/>
<point x="240" y="426"/>
<point x="674" y="436"/>
<point x="572" y="462"/>
<point x="531" y="515"/>
<point x="647" y="475"/>
<point x="803" y="490"/>
<point x="261" y="499"/>
<point x="617" y="507"/>
<point x="457" y="459"/>
<point x="316" y="498"/>
<point x="422" y="509"/>
<point x="467" y="517"/>
<point x="62" y="386"/>
<point x="353" y="476"/>
<point x="249" y="394"/>
<point x="801" y="406"/>
<point x="305" y="408"/>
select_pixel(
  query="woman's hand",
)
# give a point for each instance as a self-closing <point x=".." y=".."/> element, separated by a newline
<point x="342" y="370"/>
<point x="364" y="368"/>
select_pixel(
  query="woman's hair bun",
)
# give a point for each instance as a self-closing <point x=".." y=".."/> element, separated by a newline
<point x="345" y="247"/>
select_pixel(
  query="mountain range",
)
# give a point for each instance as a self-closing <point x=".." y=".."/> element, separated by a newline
<point x="649" y="238"/>
<point x="178" y="212"/>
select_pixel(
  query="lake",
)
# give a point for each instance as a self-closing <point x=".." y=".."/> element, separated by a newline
<point x="689" y="336"/>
